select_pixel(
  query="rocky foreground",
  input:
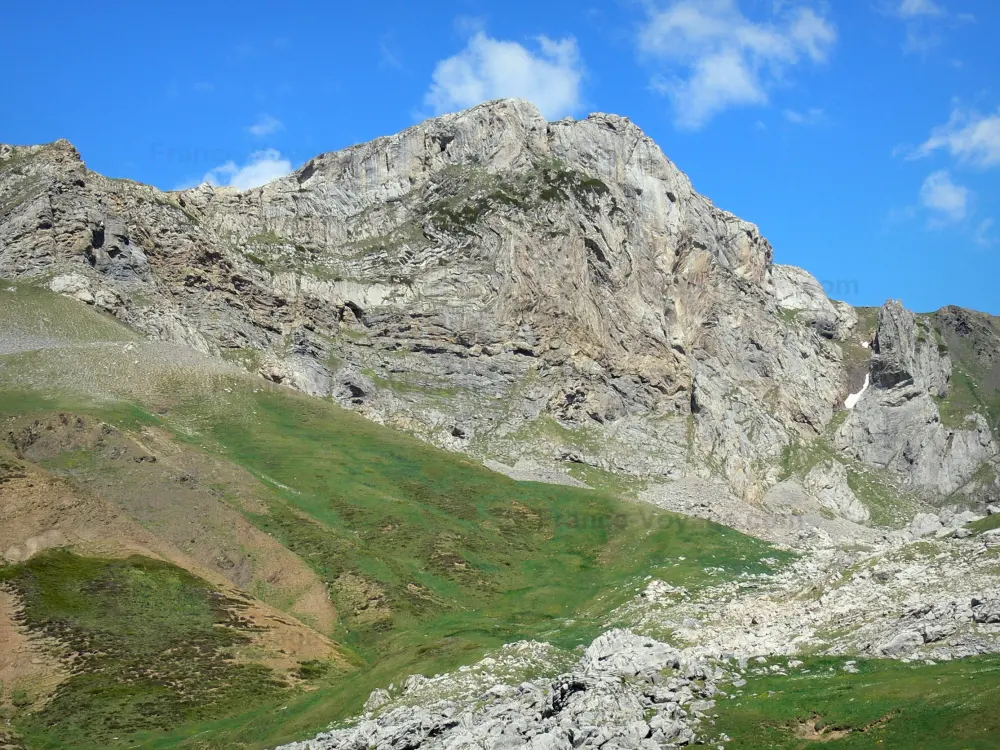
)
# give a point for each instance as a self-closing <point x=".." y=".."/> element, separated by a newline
<point x="930" y="600"/>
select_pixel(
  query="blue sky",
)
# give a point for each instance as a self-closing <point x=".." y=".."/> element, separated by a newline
<point x="863" y="136"/>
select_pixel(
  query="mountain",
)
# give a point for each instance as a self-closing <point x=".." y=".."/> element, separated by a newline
<point x="554" y="295"/>
<point x="553" y="300"/>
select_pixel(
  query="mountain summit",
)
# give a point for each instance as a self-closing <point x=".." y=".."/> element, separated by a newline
<point x="553" y="298"/>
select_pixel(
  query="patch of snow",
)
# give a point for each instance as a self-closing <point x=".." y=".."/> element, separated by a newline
<point x="852" y="400"/>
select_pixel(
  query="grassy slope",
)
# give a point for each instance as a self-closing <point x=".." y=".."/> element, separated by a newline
<point x="430" y="558"/>
<point x="38" y="312"/>
<point x="408" y="515"/>
<point x="949" y="706"/>
<point x="150" y="646"/>
<point x="472" y="559"/>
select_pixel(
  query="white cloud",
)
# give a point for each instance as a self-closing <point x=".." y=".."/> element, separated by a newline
<point x="266" y="125"/>
<point x="493" y="69"/>
<point x="983" y="236"/>
<point x="812" y="32"/>
<point x="921" y="40"/>
<point x="718" y="58"/>
<point x="812" y="116"/>
<point x="262" y="167"/>
<point x="946" y="201"/>
<point x="925" y="22"/>
<point x="971" y="138"/>
<point x="917" y="8"/>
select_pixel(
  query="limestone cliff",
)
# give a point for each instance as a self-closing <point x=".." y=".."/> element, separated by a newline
<point x="551" y="295"/>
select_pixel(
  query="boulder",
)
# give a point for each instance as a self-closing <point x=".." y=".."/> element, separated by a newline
<point x="827" y="481"/>
<point x="903" y="643"/>
<point x="986" y="611"/>
<point x="925" y="524"/>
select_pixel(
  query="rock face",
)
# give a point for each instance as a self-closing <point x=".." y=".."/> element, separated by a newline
<point x="896" y="424"/>
<point x="905" y="352"/>
<point x="797" y="291"/>
<point x="545" y="294"/>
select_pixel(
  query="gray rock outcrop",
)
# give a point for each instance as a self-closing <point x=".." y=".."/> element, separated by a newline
<point x="796" y="291"/>
<point x="627" y="692"/>
<point x="828" y="483"/>
<point x="986" y="612"/>
<point x="896" y="424"/>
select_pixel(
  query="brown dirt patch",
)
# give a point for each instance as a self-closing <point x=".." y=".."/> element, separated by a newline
<point x="27" y="671"/>
<point x="192" y="501"/>
<point x="815" y="729"/>
<point x="366" y="598"/>
<point x="283" y="642"/>
<point x="108" y="509"/>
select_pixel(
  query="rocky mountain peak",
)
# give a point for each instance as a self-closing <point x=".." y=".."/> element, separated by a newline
<point x="553" y="295"/>
<point x="60" y="154"/>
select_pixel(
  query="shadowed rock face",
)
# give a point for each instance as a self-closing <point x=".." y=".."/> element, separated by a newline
<point x="906" y="352"/>
<point x="554" y="293"/>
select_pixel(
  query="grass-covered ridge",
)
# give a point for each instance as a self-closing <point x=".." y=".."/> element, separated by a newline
<point x="950" y="706"/>
<point x="33" y="316"/>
